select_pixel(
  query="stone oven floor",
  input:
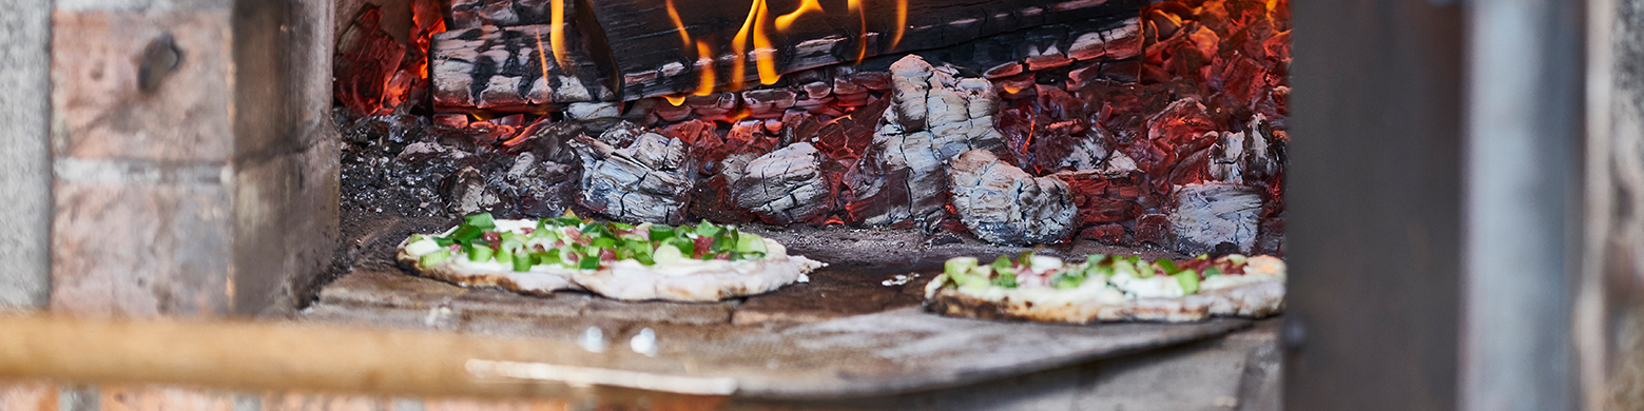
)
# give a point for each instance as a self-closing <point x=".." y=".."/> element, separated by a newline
<point x="854" y="330"/>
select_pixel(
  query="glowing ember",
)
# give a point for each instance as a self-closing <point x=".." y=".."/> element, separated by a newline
<point x="674" y="99"/>
<point x="805" y="6"/>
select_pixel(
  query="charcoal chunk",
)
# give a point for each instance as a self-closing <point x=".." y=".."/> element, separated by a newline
<point x="1212" y="213"/>
<point x="1003" y="204"/>
<point x="934" y="117"/>
<point x="782" y="187"/>
<point x="646" y="181"/>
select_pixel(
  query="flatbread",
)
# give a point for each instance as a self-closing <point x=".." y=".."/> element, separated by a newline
<point x="756" y="265"/>
<point x="537" y="282"/>
<point x="634" y="282"/>
<point x="1252" y="296"/>
<point x="1251" y="300"/>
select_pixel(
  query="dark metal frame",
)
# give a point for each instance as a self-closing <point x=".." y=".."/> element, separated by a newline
<point x="1434" y="204"/>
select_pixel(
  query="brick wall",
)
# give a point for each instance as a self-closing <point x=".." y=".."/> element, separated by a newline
<point x="195" y="166"/>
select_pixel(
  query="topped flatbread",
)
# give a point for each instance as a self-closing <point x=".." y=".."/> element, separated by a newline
<point x="1108" y="288"/>
<point x="706" y="262"/>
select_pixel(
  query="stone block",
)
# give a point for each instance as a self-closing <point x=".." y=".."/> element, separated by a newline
<point x="284" y="224"/>
<point x="99" y="110"/>
<point x="140" y="249"/>
<point x="161" y="398"/>
<point x="28" y="396"/>
<point x="25" y="154"/>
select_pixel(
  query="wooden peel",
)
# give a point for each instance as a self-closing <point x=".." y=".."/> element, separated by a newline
<point x="306" y="357"/>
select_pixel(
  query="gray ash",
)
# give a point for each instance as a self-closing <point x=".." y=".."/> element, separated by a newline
<point x="401" y="165"/>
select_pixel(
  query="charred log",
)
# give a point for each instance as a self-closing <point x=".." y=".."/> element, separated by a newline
<point x="647" y="46"/>
<point x="647" y="181"/>
<point x="1003" y="204"/>
<point x="466" y="14"/>
<point x="511" y="69"/>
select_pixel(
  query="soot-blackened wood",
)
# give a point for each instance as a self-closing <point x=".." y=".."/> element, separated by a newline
<point x="512" y="69"/>
<point x="467" y="14"/>
<point x="648" y="49"/>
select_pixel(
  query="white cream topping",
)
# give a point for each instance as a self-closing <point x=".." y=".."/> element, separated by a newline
<point x="422" y="247"/>
<point x="1151" y="287"/>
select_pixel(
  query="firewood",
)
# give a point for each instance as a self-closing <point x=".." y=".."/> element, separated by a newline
<point x="646" y="181"/>
<point x="511" y="69"/>
<point x="647" y="47"/>
<point x="1005" y="205"/>
<point x="467" y="14"/>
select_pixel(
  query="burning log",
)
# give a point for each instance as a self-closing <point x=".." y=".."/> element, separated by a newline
<point x="782" y="187"/>
<point x="1005" y="205"/>
<point x="646" y="36"/>
<point x="646" y="181"/>
<point x="1211" y="214"/>
<point x="366" y="63"/>
<point x="466" y="14"/>
<point x="511" y="69"/>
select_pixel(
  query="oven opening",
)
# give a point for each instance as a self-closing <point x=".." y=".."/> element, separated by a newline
<point x="880" y="137"/>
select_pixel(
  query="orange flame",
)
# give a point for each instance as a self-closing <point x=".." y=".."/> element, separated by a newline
<point x="765" y="55"/>
<point x="704" y="65"/>
<point x="862" y="17"/>
<point x="684" y="36"/>
<point x="542" y="55"/>
<point x="901" y="22"/>
<point x="805" y="6"/>
<point x="674" y="99"/>
<point x="556" y="14"/>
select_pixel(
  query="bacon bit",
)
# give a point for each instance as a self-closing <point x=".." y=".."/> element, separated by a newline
<point x="607" y="255"/>
<point x="528" y="230"/>
<point x="704" y="245"/>
<point x="454" y="247"/>
<point x="492" y="237"/>
<point x="570" y="258"/>
<point x="577" y="237"/>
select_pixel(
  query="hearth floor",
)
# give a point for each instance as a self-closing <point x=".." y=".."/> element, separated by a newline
<point x="854" y="330"/>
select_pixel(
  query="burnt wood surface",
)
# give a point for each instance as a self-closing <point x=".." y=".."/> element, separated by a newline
<point x="512" y="69"/>
<point x="649" y="51"/>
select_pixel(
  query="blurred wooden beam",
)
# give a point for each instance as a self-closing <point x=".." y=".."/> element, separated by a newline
<point x="305" y="357"/>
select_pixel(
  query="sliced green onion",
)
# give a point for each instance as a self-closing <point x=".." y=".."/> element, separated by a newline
<point x="1189" y="281"/>
<point x="1000" y="263"/>
<point x="433" y="258"/>
<point x="589" y="262"/>
<point x="479" y="253"/>
<point x="959" y="265"/>
<point x="522" y="262"/>
<point x="661" y="232"/>
<point x="1007" y="280"/>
